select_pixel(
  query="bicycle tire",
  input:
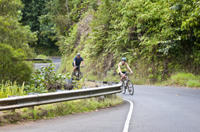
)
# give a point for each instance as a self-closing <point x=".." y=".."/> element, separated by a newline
<point x="76" y="75"/>
<point x="123" y="88"/>
<point x="130" y="87"/>
<point x="80" y="75"/>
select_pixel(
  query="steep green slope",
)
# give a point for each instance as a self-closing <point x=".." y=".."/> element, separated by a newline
<point x="158" y="37"/>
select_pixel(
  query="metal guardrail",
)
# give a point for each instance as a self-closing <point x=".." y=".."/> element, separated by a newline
<point x="48" y="98"/>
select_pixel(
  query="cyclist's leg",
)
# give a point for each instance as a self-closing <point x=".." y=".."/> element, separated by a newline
<point x="74" y="69"/>
<point x="121" y="76"/>
<point x="124" y="74"/>
<point x="78" y="68"/>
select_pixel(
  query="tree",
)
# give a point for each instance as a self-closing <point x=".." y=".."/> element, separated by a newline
<point x="14" y="43"/>
<point x="36" y="15"/>
<point x="11" y="31"/>
<point x="12" y="65"/>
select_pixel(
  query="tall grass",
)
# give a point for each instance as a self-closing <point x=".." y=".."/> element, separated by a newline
<point x="184" y="79"/>
<point x="8" y="89"/>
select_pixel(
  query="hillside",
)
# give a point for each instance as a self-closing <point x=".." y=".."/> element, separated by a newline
<point x="159" y="38"/>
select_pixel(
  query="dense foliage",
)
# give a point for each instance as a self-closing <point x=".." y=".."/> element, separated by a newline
<point x="11" y="31"/>
<point x="12" y="66"/>
<point x="158" y="37"/>
<point x="36" y="14"/>
<point x="46" y="79"/>
<point x="14" y="39"/>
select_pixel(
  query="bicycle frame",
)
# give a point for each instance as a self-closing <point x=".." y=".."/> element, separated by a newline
<point x="77" y="73"/>
<point x="125" y="85"/>
<point x="125" y="78"/>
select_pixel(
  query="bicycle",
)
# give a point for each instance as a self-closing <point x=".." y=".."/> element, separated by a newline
<point x="127" y="85"/>
<point x="77" y="74"/>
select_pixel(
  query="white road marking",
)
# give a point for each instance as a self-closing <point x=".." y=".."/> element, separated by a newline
<point x="128" y="118"/>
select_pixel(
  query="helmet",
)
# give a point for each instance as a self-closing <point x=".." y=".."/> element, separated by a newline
<point x="123" y="58"/>
<point x="78" y="54"/>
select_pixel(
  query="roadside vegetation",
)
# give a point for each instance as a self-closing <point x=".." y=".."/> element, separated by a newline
<point x="42" y="81"/>
<point x="183" y="79"/>
<point x="58" y="109"/>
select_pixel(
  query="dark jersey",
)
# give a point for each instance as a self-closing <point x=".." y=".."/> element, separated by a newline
<point x="78" y="60"/>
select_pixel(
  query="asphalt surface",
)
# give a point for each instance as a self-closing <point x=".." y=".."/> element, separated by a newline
<point x="165" y="109"/>
<point x="156" y="109"/>
<point x="55" y="61"/>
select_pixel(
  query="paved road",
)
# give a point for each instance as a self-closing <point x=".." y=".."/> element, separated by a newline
<point x="156" y="109"/>
<point x="165" y="109"/>
<point x="55" y="61"/>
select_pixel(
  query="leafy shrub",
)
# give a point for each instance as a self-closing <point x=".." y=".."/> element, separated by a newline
<point x="46" y="79"/>
<point x="42" y="81"/>
<point x="12" y="66"/>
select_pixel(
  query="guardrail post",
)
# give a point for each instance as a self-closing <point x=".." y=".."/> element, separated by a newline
<point x="108" y="96"/>
<point x="13" y="111"/>
<point x="34" y="114"/>
<point x="101" y="98"/>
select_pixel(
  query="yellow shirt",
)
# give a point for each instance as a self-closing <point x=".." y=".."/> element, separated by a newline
<point x="122" y="67"/>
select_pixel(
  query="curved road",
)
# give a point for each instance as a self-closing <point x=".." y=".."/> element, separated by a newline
<point x="55" y="60"/>
<point x="156" y="109"/>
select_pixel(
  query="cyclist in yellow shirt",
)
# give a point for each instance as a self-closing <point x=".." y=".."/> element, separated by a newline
<point x="122" y="68"/>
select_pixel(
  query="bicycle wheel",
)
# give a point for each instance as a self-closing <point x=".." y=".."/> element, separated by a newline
<point x="123" y="87"/>
<point x="73" y="75"/>
<point x="80" y="75"/>
<point x="76" y="75"/>
<point x="130" y="87"/>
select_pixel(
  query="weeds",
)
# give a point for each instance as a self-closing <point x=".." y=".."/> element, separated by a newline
<point x="11" y="89"/>
<point x="184" y="79"/>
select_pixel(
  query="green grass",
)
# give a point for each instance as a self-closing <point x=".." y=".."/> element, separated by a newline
<point x="58" y="109"/>
<point x="184" y="79"/>
<point x="11" y="89"/>
<point x="193" y="83"/>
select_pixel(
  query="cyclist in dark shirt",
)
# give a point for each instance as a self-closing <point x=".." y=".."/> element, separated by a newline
<point x="78" y="60"/>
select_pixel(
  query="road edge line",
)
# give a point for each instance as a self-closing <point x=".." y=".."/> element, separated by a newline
<point x="128" y="118"/>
